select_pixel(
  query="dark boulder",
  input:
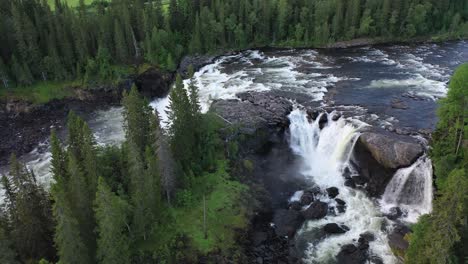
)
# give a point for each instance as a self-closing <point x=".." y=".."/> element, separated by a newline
<point x="359" y="180"/>
<point x="336" y="116"/>
<point x="333" y="228"/>
<point x="287" y="222"/>
<point x="333" y="192"/>
<point x="259" y="237"/>
<point x="350" y="183"/>
<point x="307" y="198"/>
<point x="340" y="205"/>
<point x="391" y="151"/>
<point x="323" y="120"/>
<point x="394" y="213"/>
<point x="296" y="205"/>
<point x="397" y="240"/>
<point x="367" y="236"/>
<point x="312" y="114"/>
<point x="378" y="156"/>
<point x="351" y="254"/>
<point x="316" y="210"/>
<point x="197" y="62"/>
<point x="154" y="82"/>
<point x="261" y="117"/>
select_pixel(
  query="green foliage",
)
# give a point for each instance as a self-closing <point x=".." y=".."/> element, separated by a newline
<point x="226" y="213"/>
<point x="27" y="208"/>
<point x="66" y="42"/>
<point x="434" y="236"/>
<point x="442" y="237"/>
<point x="451" y="137"/>
<point x="112" y="213"/>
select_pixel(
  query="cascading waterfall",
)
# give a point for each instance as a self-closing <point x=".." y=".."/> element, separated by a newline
<point x="325" y="154"/>
<point x="411" y="190"/>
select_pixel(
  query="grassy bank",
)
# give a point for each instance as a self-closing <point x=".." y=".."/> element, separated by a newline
<point x="227" y="213"/>
<point x="41" y="92"/>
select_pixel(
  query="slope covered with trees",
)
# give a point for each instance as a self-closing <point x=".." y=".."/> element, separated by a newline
<point x="88" y="41"/>
<point x="442" y="237"/>
<point x="148" y="201"/>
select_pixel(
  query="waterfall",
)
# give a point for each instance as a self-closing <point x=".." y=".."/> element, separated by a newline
<point x="324" y="154"/>
<point x="411" y="190"/>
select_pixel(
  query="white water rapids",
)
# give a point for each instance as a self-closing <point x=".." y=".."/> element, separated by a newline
<point x="325" y="154"/>
<point x="369" y="74"/>
<point x="411" y="190"/>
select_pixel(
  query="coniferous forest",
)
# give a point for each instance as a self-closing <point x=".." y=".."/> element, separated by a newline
<point x="41" y="43"/>
<point x="181" y="191"/>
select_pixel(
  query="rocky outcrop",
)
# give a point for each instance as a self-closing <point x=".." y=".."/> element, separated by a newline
<point x="287" y="222"/>
<point x="397" y="241"/>
<point x="356" y="254"/>
<point x="391" y="151"/>
<point x="333" y="228"/>
<point x="24" y="125"/>
<point x="197" y="62"/>
<point x="261" y="117"/>
<point x="378" y="155"/>
<point x="317" y="210"/>
<point x="154" y="82"/>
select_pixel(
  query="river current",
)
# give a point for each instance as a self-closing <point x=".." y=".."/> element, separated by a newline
<point x="371" y="79"/>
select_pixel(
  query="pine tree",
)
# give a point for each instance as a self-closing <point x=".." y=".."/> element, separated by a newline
<point x="112" y="214"/>
<point x="121" y="47"/>
<point x="70" y="245"/>
<point x="4" y="73"/>
<point x="28" y="208"/>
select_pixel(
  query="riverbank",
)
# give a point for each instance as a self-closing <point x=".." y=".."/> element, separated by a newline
<point x="24" y="124"/>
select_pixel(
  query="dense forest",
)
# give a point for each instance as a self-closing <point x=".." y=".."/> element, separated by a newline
<point x="442" y="237"/>
<point x="89" y="42"/>
<point x="173" y="195"/>
<point x="147" y="201"/>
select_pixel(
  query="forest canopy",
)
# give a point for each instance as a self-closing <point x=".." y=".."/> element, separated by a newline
<point x="68" y="41"/>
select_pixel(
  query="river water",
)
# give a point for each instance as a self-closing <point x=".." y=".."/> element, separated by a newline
<point x="370" y="79"/>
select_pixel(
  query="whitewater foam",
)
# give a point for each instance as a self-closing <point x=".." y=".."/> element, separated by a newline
<point x="325" y="154"/>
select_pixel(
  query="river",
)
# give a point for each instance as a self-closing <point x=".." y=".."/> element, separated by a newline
<point x="391" y="85"/>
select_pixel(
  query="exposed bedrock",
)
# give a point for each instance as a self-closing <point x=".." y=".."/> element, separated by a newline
<point x="24" y="125"/>
<point x="261" y="117"/>
<point x="378" y="155"/>
<point x="391" y="151"/>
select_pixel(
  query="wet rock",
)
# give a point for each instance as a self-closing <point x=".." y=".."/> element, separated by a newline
<point x="296" y="205"/>
<point x="367" y="236"/>
<point x="341" y="206"/>
<point x="197" y="62"/>
<point x="333" y="192"/>
<point x="287" y="222"/>
<point x="391" y="151"/>
<point x="261" y="117"/>
<point x="316" y="210"/>
<point x="398" y="104"/>
<point x="312" y="114"/>
<point x="154" y="82"/>
<point x="323" y="120"/>
<point x="350" y="183"/>
<point x="351" y="254"/>
<point x="333" y="228"/>
<point x="394" y="213"/>
<point x="376" y="259"/>
<point x="259" y="238"/>
<point x="397" y="240"/>
<point x="336" y="116"/>
<point x="307" y="198"/>
<point x="360" y="180"/>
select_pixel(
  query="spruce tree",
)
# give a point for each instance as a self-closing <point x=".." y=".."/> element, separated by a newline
<point x="28" y="207"/>
<point x="112" y="214"/>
